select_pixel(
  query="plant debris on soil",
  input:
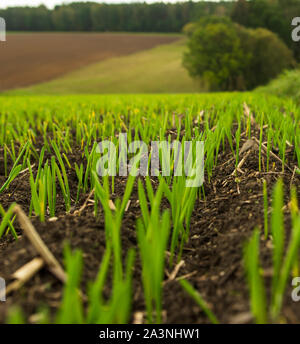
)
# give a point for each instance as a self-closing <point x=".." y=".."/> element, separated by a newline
<point x="212" y="260"/>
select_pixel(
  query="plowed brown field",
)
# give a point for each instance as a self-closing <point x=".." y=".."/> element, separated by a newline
<point x="26" y="59"/>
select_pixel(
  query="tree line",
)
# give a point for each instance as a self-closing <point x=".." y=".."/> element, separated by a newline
<point x="91" y="16"/>
<point x="274" y="15"/>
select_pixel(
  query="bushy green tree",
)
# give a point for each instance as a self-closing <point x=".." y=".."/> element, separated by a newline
<point x="229" y="57"/>
<point x="270" y="56"/>
<point x="274" y="15"/>
<point x="189" y="29"/>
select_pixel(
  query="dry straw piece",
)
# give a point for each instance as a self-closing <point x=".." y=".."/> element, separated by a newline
<point x="24" y="274"/>
<point x="39" y="245"/>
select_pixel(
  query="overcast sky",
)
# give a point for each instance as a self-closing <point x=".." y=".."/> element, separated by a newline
<point x="51" y="3"/>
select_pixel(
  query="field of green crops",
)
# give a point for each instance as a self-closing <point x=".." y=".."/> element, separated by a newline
<point x="158" y="237"/>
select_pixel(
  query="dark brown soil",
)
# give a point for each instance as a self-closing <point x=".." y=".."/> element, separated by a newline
<point x="28" y="59"/>
<point x="213" y="263"/>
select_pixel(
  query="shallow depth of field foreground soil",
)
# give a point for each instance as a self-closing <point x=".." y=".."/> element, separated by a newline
<point x="227" y="210"/>
<point x="28" y="59"/>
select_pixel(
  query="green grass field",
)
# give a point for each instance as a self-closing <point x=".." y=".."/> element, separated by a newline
<point x="286" y="85"/>
<point x="150" y="233"/>
<point x="157" y="70"/>
<point x="49" y="157"/>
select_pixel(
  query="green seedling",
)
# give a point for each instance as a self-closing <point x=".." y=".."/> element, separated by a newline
<point x="199" y="300"/>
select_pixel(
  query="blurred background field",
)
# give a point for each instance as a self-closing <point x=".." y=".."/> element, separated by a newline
<point x="32" y="58"/>
<point x="156" y="70"/>
<point x="189" y="46"/>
